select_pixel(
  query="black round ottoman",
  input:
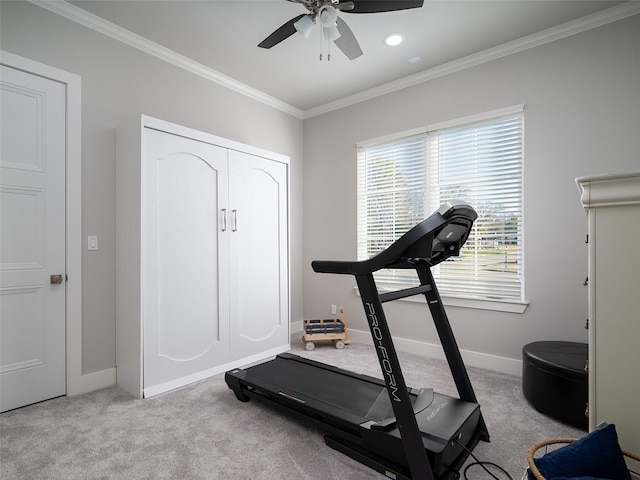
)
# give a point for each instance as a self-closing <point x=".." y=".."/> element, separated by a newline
<point x="554" y="380"/>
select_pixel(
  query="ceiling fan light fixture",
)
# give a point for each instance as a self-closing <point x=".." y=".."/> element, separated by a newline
<point x="331" y="33"/>
<point x="328" y="16"/>
<point x="394" y="39"/>
<point x="304" y="26"/>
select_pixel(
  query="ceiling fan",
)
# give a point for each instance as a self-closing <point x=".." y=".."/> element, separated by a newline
<point x="334" y="29"/>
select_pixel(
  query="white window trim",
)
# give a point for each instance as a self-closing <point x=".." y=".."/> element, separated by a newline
<point x="497" y="305"/>
<point x="391" y="137"/>
<point x="480" y="117"/>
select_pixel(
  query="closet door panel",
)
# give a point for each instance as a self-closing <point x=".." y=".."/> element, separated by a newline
<point x="259" y="254"/>
<point x="185" y="296"/>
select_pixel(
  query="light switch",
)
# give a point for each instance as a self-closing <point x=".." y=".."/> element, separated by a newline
<point x="92" y="242"/>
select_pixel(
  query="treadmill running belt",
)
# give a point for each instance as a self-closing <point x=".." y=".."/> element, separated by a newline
<point x="363" y="398"/>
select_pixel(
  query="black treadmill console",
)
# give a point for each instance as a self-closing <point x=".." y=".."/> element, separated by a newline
<point x="450" y="226"/>
<point x="436" y="238"/>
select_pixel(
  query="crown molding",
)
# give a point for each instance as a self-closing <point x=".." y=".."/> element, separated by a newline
<point x="588" y="22"/>
<point x="112" y="30"/>
<point x="594" y="20"/>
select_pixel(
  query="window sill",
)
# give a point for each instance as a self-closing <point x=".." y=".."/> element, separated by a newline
<point x="497" y="305"/>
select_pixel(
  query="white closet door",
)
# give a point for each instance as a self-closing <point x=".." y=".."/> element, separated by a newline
<point x="184" y="250"/>
<point x="259" y="254"/>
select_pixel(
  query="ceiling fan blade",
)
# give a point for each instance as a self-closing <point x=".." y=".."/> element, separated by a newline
<point x="375" y="6"/>
<point x="282" y="33"/>
<point x="345" y="6"/>
<point x="347" y="42"/>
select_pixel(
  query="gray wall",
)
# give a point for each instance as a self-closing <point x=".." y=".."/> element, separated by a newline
<point x="582" y="117"/>
<point x="582" y="97"/>
<point x="118" y="83"/>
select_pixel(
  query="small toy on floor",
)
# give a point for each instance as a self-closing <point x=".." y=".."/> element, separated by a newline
<point x="333" y="329"/>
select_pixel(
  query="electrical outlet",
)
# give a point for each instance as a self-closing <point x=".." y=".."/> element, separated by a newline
<point x="334" y="310"/>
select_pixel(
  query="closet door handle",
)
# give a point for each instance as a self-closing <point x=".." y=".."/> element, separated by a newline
<point x="224" y="219"/>
<point x="235" y="220"/>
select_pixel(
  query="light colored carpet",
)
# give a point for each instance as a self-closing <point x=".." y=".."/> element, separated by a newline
<point x="202" y="432"/>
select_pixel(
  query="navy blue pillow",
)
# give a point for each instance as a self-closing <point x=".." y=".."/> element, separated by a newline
<point x="597" y="454"/>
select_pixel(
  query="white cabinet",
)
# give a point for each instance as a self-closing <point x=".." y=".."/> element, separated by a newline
<point x="201" y="258"/>
<point x="612" y="203"/>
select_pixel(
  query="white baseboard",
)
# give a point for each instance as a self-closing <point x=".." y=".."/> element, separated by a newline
<point x="471" y="359"/>
<point x="92" y="381"/>
<point x="196" y="377"/>
<point x="107" y="378"/>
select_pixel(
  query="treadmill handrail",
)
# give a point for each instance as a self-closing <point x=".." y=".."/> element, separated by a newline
<point x="407" y="292"/>
<point x="410" y="249"/>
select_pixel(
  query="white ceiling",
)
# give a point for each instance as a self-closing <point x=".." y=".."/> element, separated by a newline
<point x="223" y="36"/>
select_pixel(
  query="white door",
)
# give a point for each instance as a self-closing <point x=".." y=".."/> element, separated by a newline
<point x="258" y="254"/>
<point x="184" y="252"/>
<point x="32" y="239"/>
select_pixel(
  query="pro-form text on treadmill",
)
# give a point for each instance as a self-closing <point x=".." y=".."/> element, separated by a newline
<point x="386" y="364"/>
<point x="436" y="411"/>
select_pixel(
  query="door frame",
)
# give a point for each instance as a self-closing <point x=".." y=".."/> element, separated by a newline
<point x="73" y="211"/>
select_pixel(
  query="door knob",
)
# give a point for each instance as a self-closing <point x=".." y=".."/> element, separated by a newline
<point x="56" y="279"/>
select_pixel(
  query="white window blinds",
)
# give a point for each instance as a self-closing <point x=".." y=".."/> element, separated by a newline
<point x="401" y="181"/>
<point x="481" y="163"/>
<point x="391" y="187"/>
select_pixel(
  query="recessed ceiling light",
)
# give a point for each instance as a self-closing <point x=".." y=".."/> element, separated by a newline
<point x="394" y="39"/>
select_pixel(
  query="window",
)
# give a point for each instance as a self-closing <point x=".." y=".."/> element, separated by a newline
<point x="403" y="179"/>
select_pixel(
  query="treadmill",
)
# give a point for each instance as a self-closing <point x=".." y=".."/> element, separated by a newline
<point x="404" y="433"/>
